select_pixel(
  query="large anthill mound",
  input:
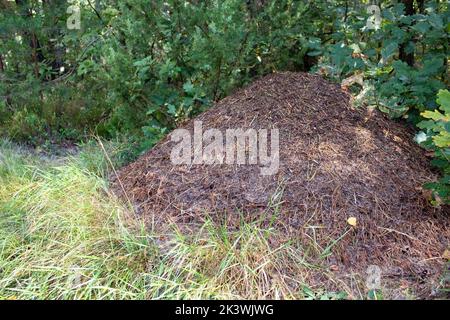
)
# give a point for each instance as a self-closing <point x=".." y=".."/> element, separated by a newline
<point x="336" y="162"/>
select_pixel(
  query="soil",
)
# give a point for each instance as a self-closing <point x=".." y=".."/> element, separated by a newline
<point x="336" y="162"/>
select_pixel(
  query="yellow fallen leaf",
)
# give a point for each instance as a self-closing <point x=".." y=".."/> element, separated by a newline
<point x="352" y="221"/>
<point x="446" y="254"/>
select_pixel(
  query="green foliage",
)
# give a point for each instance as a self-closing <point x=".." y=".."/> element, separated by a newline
<point x="403" y="64"/>
<point x="195" y="53"/>
<point x="398" y="85"/>
<point x="139" y="67"/>
<point x="437" y="130"/>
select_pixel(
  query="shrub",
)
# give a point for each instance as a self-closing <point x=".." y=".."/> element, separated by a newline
<point x="437" y="138"/>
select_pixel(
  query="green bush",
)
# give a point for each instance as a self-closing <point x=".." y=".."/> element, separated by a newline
<point x="25" y="125"/>
<point x="400" y="86"/>
<point x="139" y="67"/>
<point x="437" y="138"/>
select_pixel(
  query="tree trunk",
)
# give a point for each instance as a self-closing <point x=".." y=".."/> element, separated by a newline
<point x="55" y="49"/>
<point x="403" y="55"/>
<point x="2" y="65"/>
<point x="2" y="71"/>
<point x="36" y="49"/>
<point x="421" y="6"/>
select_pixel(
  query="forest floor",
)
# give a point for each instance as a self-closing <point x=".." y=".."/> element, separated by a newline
<point x="65" y="233"/>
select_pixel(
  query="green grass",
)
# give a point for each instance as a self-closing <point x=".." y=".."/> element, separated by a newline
<point x="63" y="235"/>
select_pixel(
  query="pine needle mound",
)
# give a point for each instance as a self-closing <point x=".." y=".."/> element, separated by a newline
<point x="336" y="163"/>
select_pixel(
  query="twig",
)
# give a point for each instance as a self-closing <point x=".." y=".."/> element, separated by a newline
<point x="115" y="173"/>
